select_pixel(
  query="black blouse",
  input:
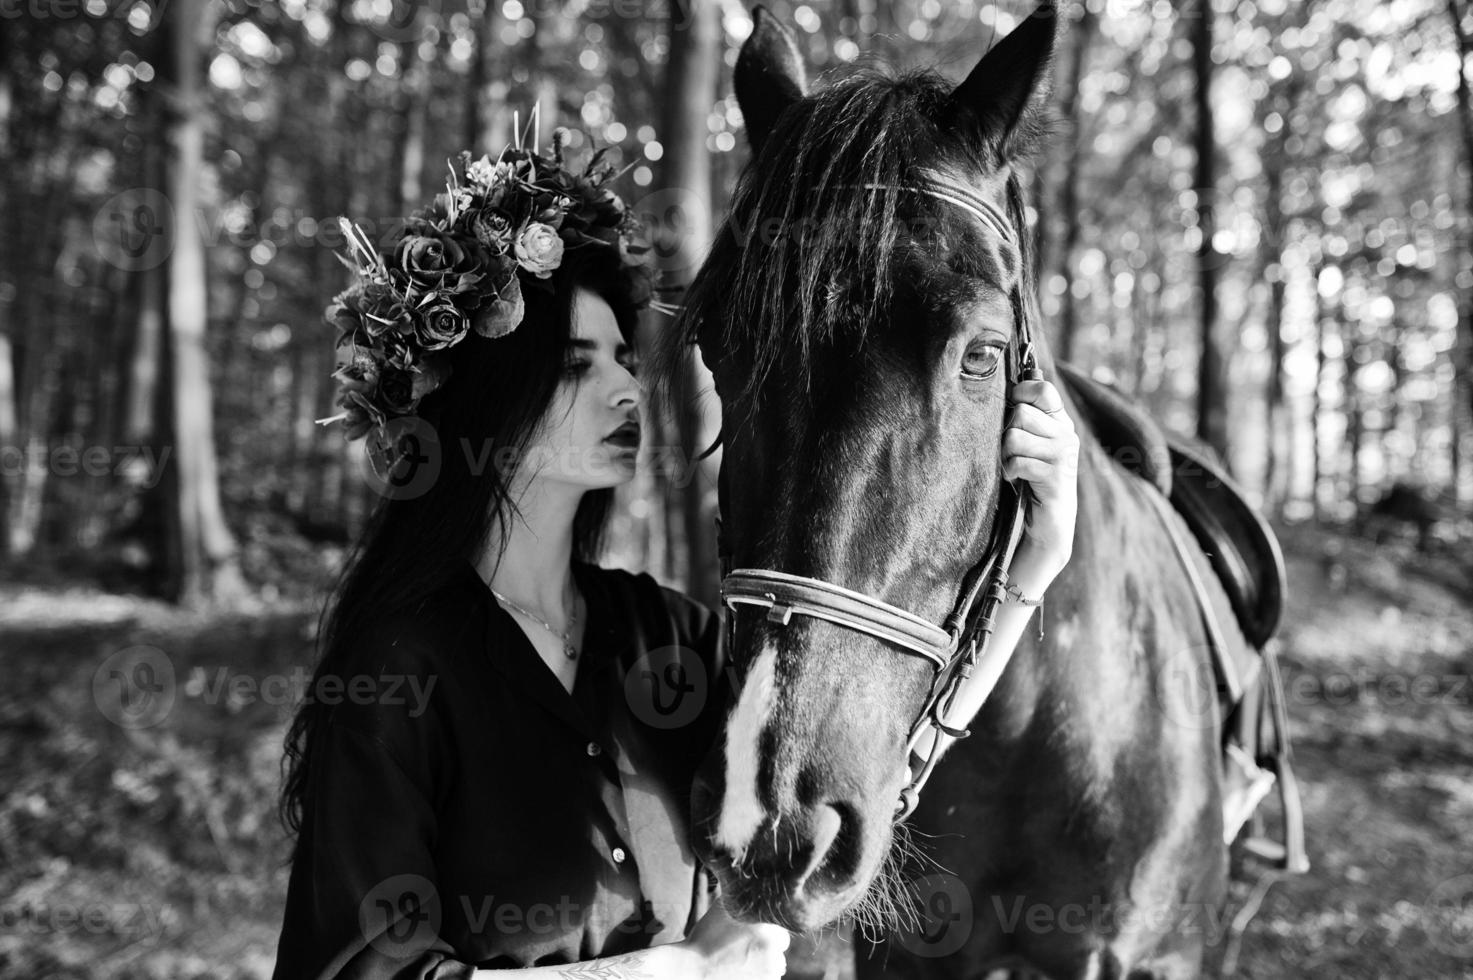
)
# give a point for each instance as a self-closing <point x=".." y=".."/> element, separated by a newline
<point x="465" y="811"/>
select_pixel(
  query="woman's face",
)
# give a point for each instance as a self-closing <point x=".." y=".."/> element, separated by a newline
<point x="590" y="435"/>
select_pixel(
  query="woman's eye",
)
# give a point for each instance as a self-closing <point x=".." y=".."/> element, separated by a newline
<point x="981" y="362"/>
<point x="576" y="369"/>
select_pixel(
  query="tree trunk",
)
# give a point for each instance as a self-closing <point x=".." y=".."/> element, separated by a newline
<point x="146" y="356"/>
<point x="1069" y="196"/>
<point x="1276" y="474"/>
<point x="690" y="91"/>
<point x="1455" y="448"/>
<point x="207" y="554"/>
<point x="1150" y="313"/>
<point x="1391" y="461"/>
<point x="335" y="478"/>
<point x="114" y="315"/>
<point x="1212" y="392"/>
<point x="1462" y="353"/>
<point x="1140" y="327"/>
<point x="306" y="383"/>
<point x="322" y="182"/>
<point x="483" y="129"/>
<point x="408" y="161"/>
<point x="1282" y="429"/>
<point x="9" y="395"/>
<point x="144" y="362"/>
<point x="553" y="42"/>
<point x="312" y="353"/>
<point x="10" y="466"/>
<point x="1317" y="402"/>
<point x="150" y="517"/>
<point x="1355" y="408"/>
<point x="39" y="381"/>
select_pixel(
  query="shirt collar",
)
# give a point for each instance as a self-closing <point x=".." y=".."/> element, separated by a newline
<point x="519" y="662"/>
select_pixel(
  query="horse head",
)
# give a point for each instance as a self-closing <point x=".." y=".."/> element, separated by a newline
<point x="859" y="311"/>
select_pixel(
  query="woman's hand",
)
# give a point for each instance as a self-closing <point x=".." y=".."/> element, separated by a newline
<point x="1041" y="447"/>
<point x="722" y="948"/>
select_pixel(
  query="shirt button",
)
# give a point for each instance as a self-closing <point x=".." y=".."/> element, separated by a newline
<point x="594" y="748"/>
<point x="619" y="855"/>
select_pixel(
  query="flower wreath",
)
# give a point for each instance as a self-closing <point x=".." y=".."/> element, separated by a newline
<point x="459" y="266"/>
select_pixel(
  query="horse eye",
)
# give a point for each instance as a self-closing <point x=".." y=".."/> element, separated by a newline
<point x="980" y="363"/>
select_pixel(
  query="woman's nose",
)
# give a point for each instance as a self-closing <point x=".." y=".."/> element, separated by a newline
<point x="628" y="391"/>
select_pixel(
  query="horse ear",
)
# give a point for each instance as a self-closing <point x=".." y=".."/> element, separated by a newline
<point x="1006" y="95"/>
<point x="769" y="76"/>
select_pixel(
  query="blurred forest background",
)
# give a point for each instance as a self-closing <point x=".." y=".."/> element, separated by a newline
<point x="1256" y="218"/>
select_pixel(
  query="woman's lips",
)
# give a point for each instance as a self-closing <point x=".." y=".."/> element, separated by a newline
<point x="626" y="437"/>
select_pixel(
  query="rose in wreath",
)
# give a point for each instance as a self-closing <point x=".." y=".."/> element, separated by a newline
<point x="539" y="249"/>
<point x="430" y="257"/>
<point x="440" y="324"/>
<point x="396" y="391"/>
<point x="494" y="230"/>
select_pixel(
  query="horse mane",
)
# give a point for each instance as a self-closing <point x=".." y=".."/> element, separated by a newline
<point x="872" y="127"/>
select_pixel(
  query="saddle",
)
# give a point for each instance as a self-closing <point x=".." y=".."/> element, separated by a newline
<point x="1245" y="558"/>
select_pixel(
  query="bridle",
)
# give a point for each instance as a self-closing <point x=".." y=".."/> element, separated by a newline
<point x="954" y="647"/>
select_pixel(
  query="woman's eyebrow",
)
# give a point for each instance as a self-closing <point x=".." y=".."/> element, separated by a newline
<point x="582" y="343"/>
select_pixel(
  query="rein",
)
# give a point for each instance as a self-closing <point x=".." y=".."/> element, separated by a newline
<point x="954" y="647"/>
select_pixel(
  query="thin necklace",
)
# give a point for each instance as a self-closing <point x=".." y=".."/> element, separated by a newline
<point x="568" y="648"/>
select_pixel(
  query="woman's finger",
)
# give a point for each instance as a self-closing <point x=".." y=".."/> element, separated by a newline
<point x="1021" y="442"/>
<point x="1039" y="422"/>
<point x="1035" y="471"/>
<point x="1040" y="394"/>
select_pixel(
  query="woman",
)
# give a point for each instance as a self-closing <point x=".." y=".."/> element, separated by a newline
<point x="473" y="783"/>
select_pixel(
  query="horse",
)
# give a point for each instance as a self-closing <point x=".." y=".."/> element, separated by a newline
<point x="863" y="311"/>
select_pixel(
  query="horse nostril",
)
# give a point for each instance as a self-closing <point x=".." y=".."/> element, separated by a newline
<point x="826" y="826"/>
<point x="832" y="827"/>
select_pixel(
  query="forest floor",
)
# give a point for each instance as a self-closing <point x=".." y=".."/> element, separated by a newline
<point x="139" y="753"/>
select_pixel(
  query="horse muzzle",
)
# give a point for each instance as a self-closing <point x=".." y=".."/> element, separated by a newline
<point x="798" y="857"/>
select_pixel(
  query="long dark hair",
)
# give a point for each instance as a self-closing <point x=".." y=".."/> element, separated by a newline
<point x="489" y="408"/>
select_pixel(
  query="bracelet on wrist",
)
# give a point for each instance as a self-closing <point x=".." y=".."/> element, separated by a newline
<point x="1016" y="595"/>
